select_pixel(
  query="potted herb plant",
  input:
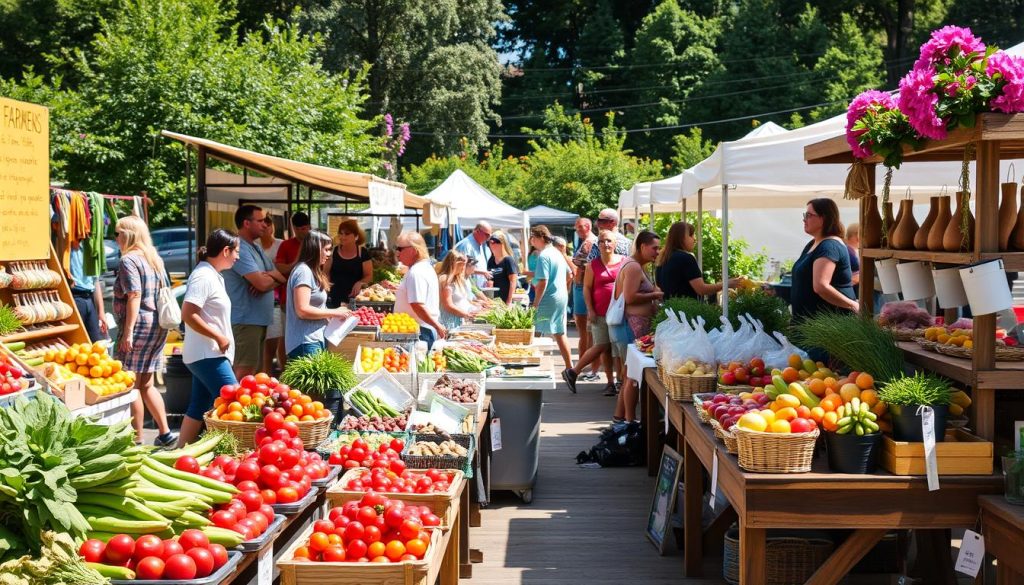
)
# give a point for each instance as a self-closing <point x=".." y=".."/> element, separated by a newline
<point x="512" y="323"/>
<point x="905" y="396"/>
<point x="853" y="446"/>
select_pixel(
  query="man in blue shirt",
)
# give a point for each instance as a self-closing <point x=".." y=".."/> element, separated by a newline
<point x="250" y="284"/>
<point x="88" y="294"/>
<point x="475" y="246"/>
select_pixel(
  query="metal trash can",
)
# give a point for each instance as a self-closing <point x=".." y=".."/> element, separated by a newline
<point x="517" y="404"/>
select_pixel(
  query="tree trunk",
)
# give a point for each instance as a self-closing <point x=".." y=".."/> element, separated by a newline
<point x="899" y="28"/>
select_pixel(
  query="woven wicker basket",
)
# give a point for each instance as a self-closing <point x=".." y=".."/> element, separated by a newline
<point x="698" y="405"/>
<point x="926" y="343"/>
<point x="514" y="336"/>
<point x="684" y="386"/>
<point x="788" y="559"/>
<point x="312" y="432"/>
<point x="1002" y="353"/>
<point x="728" y="438"/>
<point x="734" y="389"/>
<point x="906" y="334"/>
<point x="439" y="461"/>
<point x="775" y="452"/>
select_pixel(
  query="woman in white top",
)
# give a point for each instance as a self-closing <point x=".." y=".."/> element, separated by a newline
<point x="456" y="297"/>
<point x="209" y="347"/>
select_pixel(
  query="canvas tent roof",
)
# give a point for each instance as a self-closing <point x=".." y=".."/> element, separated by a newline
<point x="471" y="202"/>
<point x="346" y="184"/>
<point x="542" y="214"/>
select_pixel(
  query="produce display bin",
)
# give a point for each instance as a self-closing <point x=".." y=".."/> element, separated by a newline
<point x="269" y="534"/>
<point x="517" y="403"/>
<point x="444" y="504"/>
<point x="296" y="507"/>
<point x="331" y="476"/>
<point x="234" y="557"/>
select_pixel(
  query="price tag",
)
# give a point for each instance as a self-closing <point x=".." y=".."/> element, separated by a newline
<point x="972" y="553"/>
<point x="265" y="566"/>
<point x="714" y="480"/>
<point x="666" y="414"/>
<point x="495" y="434"/>
<point x="931" y="464"/>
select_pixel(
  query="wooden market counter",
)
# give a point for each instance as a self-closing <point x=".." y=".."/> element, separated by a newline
<point x="1002" y="523"/>
<point x="870" y="505"/>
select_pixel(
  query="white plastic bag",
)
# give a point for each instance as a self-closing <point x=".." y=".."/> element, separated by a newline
<point x="760" y="343"/>
<point x="780" y="357"/>
<point x="689" y="351"/>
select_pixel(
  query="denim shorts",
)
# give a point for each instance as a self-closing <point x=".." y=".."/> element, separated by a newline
<point x="621" y="335"/>
<point x="207" y="377"/>
<point x="304" y="349"/>
<point x="579" y="304"/>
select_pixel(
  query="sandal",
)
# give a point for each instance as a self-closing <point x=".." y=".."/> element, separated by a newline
<point x="610" y="390"/>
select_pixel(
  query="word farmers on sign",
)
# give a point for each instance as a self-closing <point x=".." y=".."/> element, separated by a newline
<point x="24" y="180"/>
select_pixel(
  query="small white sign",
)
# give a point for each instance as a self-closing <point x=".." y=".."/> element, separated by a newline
<point x="666" y="414"/>
<point x="714" y="480"/>
<point x="265" y="566"/>
<point x="495" y="434"/>
<point x="931" y="464"/>
<point x="972" y="553"/>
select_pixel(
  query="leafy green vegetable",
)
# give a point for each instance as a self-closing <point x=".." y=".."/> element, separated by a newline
<point x="770" y="310"/>
<point x="9" y="323"/>
<point x="511" y="317"/>
<point x="58" y="563"/>
<point x="693" y="308"/>
<point x="921" y="388"/>
<point x="383" y="272"/>
<point x="319" y="373"/>
<point x="859" y="343"/>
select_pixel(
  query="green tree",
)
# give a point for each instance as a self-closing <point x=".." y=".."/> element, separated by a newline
<point x="34" y="31"/>
<point x="600" y="49"/>
<point x="576" y="168"/>
<point x="689" y="148"/>
<point x="998" y="22"/>
<point x="742" y="260"/>
<point x="850" y="65"/>
<point x="432" y="63"/>
<point x="682" y="44"/>
<point x="497" y="173"/>
<point x="176" y="65"/>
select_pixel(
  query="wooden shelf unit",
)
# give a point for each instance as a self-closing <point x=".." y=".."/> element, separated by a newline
<point x="71" y="330"/>
<point x="993" y="136"/>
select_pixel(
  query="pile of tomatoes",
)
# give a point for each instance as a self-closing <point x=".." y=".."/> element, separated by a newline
<point x="375" y="529"/>
<point x="247" y="513"/>
<point x="407" y="482"/>
<point x="11" y="380"/>
<point x="359" y="453"/>
<point x="191" y="556"/>
<point x="255" y="397"/>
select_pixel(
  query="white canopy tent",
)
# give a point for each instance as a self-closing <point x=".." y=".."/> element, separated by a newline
<point x="471" y="202"/>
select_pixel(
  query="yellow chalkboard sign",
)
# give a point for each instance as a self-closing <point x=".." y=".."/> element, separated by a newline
<point x="24" y="180"/>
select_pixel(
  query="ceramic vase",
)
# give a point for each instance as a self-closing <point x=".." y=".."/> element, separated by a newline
<point x="938" y="230"/>
<point x="906" y="226"/>
<point x="953" y="240"/>
<point x="1017" y="235"/>
<point x="1007" y="214"/>
<point x="921" y="237"/>
<point x="889" y="223"/>
<point x="871" y="228"/>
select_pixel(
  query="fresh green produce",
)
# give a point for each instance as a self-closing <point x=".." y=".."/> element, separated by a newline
<point x="9" y="322"/>
<point x="921" y="388"/>
<point x="860" y="343"/>
<point x="211" y="444"/>
<point x="856" y="416"/>
<point x="770" y="310"/>
<point x="692" y="308"/>
<point x="460" y="361"/>
<point x="58" y="563"/>
<point x="386" y="272"/>
<point x="511" y="317"/>
<point x="319" y="373"/>
<point x="370" y="405"/>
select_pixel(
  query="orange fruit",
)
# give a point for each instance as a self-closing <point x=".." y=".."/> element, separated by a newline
<point x="394" y="550"/>
<point x="785" y="414"/>
<point x="93" y="359"/>
<point x="880" y="408"/>
<point x="297" y="410"/>
<point x="318" y="541"/>
<point x="831" y="402"/>
<point x="790" y="375"/>
<point x="245" y="400"/>
<point x="829" y="421"/>
<point x="869" y="396"/>
<point x="302" y="552"/>
<point x="306" y="417"/>
<point x="221" y="409"/>
<point x="780" y="426"/>
<point x="317" y="405"/>
<point x="291" y="418"/>
<point x="865" y="381"/>
<point x="416" y="547"/>
<point x="803" y="412"/>
<point x="376" y="549"/>
<point x="795" y="361"/>
<point x="82" y="359"/>
<point x="817" y="386"/>
<point x="849" y="391"/>
<point x="817" y="413"/>
<point x="234" y="415"/>
<point x="82" y="371"/>
<point x="235" y="407"/>
<point x="96" y="372"/>
<point x="262" y="378"/>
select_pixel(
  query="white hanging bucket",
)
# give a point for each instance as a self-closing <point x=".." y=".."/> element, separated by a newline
<point x="949" y="288"/>
<point x="986" y="287"/>
<point x="888" y="276"/>
<point x="916" y="280"/>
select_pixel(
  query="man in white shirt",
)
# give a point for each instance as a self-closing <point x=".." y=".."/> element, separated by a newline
<point x="418" y="295"/>
<point x="475" y="246"/>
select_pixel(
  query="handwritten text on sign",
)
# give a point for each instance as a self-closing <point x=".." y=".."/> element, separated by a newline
<point x="24" y="180"/>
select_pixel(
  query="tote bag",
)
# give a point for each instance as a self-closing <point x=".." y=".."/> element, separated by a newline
<point x="167" y="309"/>
<point x="617" y="308"/>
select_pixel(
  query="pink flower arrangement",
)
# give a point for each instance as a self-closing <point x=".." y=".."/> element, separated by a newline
<point x="939" y="48"/>
<point x="1009" y="71"/>
<point x="870" y="100"/>
<point x="918" y="101"/>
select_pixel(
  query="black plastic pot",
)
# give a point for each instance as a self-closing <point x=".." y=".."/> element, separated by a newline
<point x="851" y="453"/>
<point x="906" y="423"/>
<point x="177" y="386"/>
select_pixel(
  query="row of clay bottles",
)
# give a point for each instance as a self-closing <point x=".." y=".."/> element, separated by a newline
<point x="942" y="229"/>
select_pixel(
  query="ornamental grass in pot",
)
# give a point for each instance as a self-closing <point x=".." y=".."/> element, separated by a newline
<point x="906" y="395"/>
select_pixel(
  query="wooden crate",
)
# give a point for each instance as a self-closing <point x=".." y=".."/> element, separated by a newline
<point x="960" y="454"/>
<point x="78" y="394"/>
<point x="444" y="504"/>
<point x="422" y="572"/>
<point x="351" y="343"/>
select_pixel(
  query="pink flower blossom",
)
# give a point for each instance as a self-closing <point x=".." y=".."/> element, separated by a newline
<point x="860" y="105"/>
<point x="951" y="89"/>
<point x="918" y="101"/>
<point x="940" y="47"/>
<point x="1011" y="68"/>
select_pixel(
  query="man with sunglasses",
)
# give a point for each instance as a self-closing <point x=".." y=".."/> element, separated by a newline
<point x="475" y="246"/>
<point x="250" y="284"/>
<point x="608" y="219"/>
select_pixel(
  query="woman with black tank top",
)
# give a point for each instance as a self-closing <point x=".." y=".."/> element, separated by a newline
<point x="350" y="267"/>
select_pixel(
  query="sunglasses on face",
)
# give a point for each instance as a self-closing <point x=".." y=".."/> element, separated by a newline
<point x="400" y="248"/>
<point x="809" y="215"/>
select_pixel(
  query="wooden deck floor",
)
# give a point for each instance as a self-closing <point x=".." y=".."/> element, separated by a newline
<point x="585" y="526"/>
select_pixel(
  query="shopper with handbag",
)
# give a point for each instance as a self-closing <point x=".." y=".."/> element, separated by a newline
<point x="140" y="338"/>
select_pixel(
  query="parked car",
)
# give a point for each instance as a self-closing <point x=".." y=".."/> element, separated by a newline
<point x="172" y="245"/>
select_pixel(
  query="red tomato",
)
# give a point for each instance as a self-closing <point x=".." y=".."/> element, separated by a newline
<point x="119" y="549"/>
<point x="273" y="421"/>
<point x="367" y="515"/>
<point x="171" y="548"/>
<point x="260" y="520"/>
<point x="423" y="485"/>
<point x="397" y="445"/>
<point x="248" y="470"/>
<point x="291" y="427"/>
<point x="356" y="549"/>
<point x="224" y="519"/>
<point x="252" y="500"/>
<point x="248" y="382"/>
<point x="410" y="529"/>
<point x="372" y="534"/>
<point x="148" y="546"/>
<point x="92" y="550"/>
<point x="295" y="442"/>
<point x="227" y="392"/>
<point x="269" y="496"/>
<point x="287" y="495"/>
<point x="259" y="434"/>
<point x="430" y="520"/>
<point x="335" y="459"/>
<point x="394" y="517"/>
<point x="187" y="464"/>
<point x="271" y="453"/>
<point x="268" y="511"/>
<point x="220" y="555"/>
<point x="246" y="485"/>
<point x="203" y="559"/>
<point x="326" y="526"/>
<point x="270" y="476"/>
<point x="180" y="568"/>
<point x="396" y="465"/>
<point x="372" y="498"/>
<point x="149" y="569"/>
<point x="334" y="554"/>
<point x="354" y="531"/>
<point x="193" y="538"/>
<point x="214" y="473"/>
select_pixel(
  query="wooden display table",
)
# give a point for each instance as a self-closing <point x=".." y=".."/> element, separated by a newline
<point x="870" y="505"/>
<point x="1002" y="523"/>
